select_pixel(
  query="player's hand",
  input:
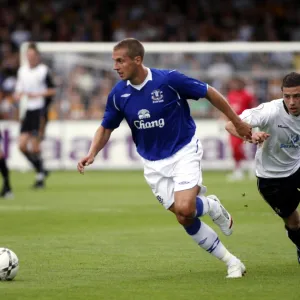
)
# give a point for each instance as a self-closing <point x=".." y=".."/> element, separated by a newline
<point x="259" y="137"/>
<point x="244" y="130"/>
<point x="84" y="162"/>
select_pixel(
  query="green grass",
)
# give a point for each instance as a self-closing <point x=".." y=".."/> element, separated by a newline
<point x="104" y="236"/>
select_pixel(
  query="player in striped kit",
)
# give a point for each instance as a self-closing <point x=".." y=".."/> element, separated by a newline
<point x="35" y="85"/>
<point x="154" y="104"/>
<point x="278" y="154"/>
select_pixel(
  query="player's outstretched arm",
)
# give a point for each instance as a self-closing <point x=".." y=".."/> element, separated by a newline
<point x="220" y="102"/>
<point x="100" y="139"/>
<point x="231" y="129"/>
<point x="257" y="137"/>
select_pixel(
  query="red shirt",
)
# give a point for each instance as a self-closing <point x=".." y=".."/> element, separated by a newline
<point x="240" y="100"/>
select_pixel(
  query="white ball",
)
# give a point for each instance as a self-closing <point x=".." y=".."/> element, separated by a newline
<point x="9" y="264"/>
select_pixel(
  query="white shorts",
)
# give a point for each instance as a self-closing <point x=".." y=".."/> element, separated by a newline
<point x="182" y="171"/>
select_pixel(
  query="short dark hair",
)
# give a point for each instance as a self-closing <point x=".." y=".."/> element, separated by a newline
<point x="291" y="80"/>
<point x="33" y="46"/>
<point x="134" y="47"/>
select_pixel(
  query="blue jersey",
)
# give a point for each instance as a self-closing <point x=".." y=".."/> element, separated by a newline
<point x="156" y="111"/>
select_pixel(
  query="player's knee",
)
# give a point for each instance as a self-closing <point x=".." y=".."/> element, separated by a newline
<point x="36" y="150"/>
<point x="183" y="220"/>
<point x="180" y="219"/>
<point x="185" y="208"/>
<point x="293" y="223"/>
<point x="23" y="147"/>
<point x="36" y="147"/>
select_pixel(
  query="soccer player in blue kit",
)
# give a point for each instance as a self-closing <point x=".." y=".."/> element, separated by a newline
<point x="154" y="104"/>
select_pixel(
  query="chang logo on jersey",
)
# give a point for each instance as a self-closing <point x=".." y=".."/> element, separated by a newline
<point x="293" y="142"/>
<point x="143" y="115"/>
<point x="157" y="96"/>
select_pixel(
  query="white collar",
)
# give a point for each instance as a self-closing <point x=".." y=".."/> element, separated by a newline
<point x="140" y="86"/>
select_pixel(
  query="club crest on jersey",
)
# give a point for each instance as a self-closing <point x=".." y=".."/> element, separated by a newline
<point x="144" y="114"/>
<point x="157" y="96"/>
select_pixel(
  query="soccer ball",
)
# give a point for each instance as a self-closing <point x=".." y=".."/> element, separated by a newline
<point x="9" y="264"/>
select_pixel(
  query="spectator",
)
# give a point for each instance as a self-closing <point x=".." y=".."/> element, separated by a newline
<point x="198" y="21"/>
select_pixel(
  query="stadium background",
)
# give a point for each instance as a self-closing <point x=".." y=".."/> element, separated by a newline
<point x="102" y="235"/>
<point x="84" y="79"/>
<point x="158" y="21"/>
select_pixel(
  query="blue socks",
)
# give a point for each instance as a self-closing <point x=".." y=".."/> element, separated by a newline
<point x="193" y="228"/>
<point x="199" y="207"/>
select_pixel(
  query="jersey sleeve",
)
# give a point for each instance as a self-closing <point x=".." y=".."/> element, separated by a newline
<point x="187" y="87"/>
<point x="258" y="116"/>
<point x="112" y="115"/>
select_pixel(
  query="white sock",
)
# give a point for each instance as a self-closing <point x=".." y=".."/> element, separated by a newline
<point x="209" y="206"/>
<point x="40" y="176"/>
<point x="208" y="239"/>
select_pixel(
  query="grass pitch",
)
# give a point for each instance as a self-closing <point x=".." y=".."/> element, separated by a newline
<point x="104" y="236"/>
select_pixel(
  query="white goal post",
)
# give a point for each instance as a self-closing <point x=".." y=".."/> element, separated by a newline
<point x="162" y="47"/>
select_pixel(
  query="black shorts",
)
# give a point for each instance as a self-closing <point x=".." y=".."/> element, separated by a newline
<point x="31" y="122"/>
<point x="282" y="194"/>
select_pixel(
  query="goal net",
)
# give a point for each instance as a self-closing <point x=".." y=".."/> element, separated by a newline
<point x="84" y="76"/>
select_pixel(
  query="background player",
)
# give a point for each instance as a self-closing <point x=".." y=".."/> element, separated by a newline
<point x="278" y="156"/>
<point x="34" y="84"/>
<point x="6" y="191"/>
<point x="239" y="99"/>
<point x="154" y="104"/>
<point x="47" y="104"/>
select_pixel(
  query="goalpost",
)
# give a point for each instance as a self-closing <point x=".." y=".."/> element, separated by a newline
<point x="169" y="47"/>
<point x="84" y="76"/>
